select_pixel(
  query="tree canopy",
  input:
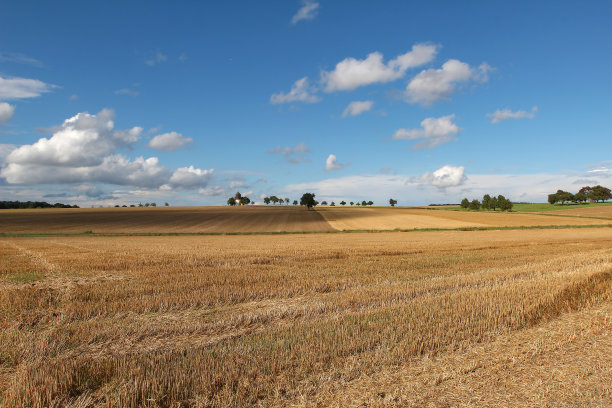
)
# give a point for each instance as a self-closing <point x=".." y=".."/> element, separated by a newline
<point x="308" y="199"/>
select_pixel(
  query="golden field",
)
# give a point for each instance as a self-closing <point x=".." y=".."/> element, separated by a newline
<point x="275" y="218"/>
<point x="427" y="319"/>
<point x="602" y="212"/>
<point x="389" y="218"/>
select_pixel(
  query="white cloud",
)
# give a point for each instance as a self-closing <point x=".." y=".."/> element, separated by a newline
<point x="114" y="169"/>
<point x="83" y="150"/>
<point x="351" y="73"/>
<point x="5" y="149"/>
<point x="300" y="92"/>
<point x="601" y="170"/>
<point x="431" y="85"/>
<point x="445" y="176"/>
<point x="505" y="114"/>
<point x="435" y="131"/>
<point x="332" y="163"/>
<point x="6" y="112"/>
<point x="443" y="186"/>
<point x="308" y="11"/>
<point x="168" y="142"/>
<point x="357" y="108"/>
<point x="83" y="140"/>
<point x="159" y="57"/>
<point x="190" y="177"/>
<point x="19" y="88"/>
<point x="295" y="154"/>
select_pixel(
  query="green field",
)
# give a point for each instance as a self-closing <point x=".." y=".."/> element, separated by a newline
<point x="539" y="207"/>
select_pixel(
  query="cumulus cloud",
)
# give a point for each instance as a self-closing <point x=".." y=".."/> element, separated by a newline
<point x="352" y="73"/>
<point x="435" y="131"/>
<point x="168" y="142"/>
<point x="82" y="140"/>
<point x="190" y="178"/>
<point x="6" y="112"/>
<point x="431" y="85"/>
<point x="83" y="150"/>
<point x="19" y="88"/>
<point x="308" y="11"/>
<point x="445" y="176"/>
<point x="300" y="92"/>
<point x="294" y="155"/>
<point x="357" y="108"/>
<point x="332" y="163"/>
<point x="505" y="114"/>
<point x="5" y="149"/>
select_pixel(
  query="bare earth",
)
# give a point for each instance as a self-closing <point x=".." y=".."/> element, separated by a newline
<point x="517" y="318"/>
<point x="164" y="219"/>
<point x="386" y="218"/>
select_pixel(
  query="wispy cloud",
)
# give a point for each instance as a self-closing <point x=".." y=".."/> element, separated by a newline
<point x="127" y="91"/>
<point x="156" y="59"/>
<point x="505" y="114"/>
<point x="308" y="11"/>
<point x="357" y="108"/>
<point x="20" y="88"/>
<point x="294" y="155"/>
<point x="300" y="92"/>
<point x="17" y="58"/>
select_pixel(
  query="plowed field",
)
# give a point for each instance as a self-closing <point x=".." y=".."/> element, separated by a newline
<point x="162" y="219"/>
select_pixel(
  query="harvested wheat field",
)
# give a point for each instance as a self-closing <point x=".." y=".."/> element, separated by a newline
<point x="428" y="319"/>
<point x="163" y="219"/>
<point x="388" y="218"/>
<point x="599" y="211"/>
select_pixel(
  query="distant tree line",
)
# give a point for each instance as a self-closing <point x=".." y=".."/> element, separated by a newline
<point x="33" y="204"/>
<point x="488" y="203"/>
<point x="274" y="200"/>
<point x="587" y="193"/>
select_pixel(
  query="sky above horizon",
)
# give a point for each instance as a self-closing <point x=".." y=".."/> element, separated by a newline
<point x="105" y="103"/>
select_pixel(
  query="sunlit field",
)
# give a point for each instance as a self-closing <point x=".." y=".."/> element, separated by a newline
<point x="274" y="218"/>
<point x="437" y="318"/>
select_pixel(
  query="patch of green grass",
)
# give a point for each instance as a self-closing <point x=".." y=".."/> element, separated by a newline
<point x="537" y="207"/>
<point x="23" y="277"/>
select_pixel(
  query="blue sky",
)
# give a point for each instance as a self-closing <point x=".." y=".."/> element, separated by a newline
<point x="105" y="103"/>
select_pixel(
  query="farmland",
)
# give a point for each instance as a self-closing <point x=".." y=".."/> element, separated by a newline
<point x="432" y="318"/>
<point x="162" y="219"/>
<point x="250" y="219"/>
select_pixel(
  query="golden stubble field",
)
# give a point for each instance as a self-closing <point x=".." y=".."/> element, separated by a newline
<point x="274" y="218"/>
<point x="444" y="318"/>
<point x="388" y="218"/>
